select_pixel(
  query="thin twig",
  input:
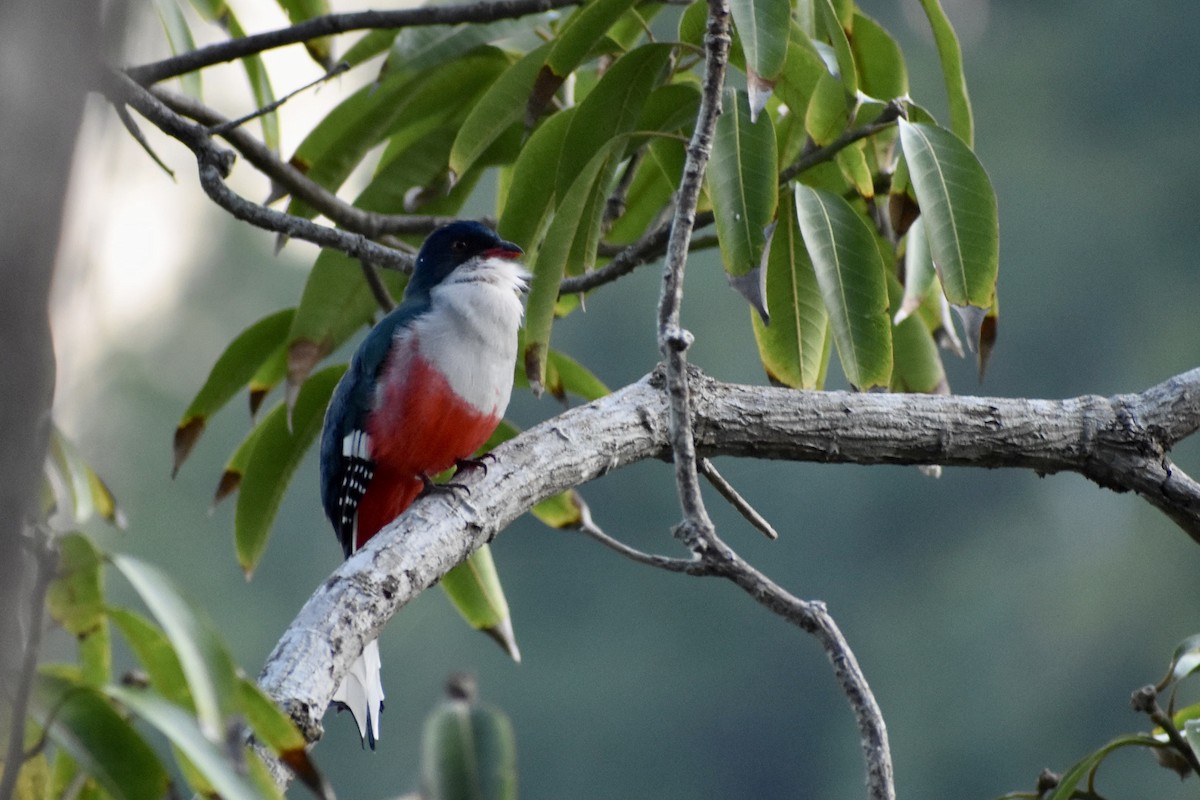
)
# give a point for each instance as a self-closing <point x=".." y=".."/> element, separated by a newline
<point x="220" y="130"/>
<point x="696" y="530"/>
<point x="688" y="566"/>
<point x="331" y="24"/>
<point x="370" y="224"/>
<point x="709" y="471"/>
<point x="378" y="290"/>
<point x="1145" y="701"/>
<point x="135" y="131"/>
<point x="886" y="119"/>
<point x="215" y="163"/>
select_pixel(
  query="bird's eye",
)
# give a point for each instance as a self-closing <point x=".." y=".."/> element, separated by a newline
<point x="459" y="246"/>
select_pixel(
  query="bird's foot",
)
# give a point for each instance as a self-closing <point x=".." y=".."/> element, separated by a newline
<point x="441" y="488"/>
<point x="478" y="462"/>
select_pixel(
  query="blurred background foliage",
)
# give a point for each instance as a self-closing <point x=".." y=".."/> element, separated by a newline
<point x="1002" y="618"/>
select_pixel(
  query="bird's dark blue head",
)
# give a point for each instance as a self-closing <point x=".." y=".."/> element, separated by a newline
<point x="453" y="245"/>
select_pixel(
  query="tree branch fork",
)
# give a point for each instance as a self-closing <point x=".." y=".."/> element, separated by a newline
<point x="1120" y="442"/>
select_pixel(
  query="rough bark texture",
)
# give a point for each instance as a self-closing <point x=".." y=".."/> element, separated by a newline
<point x="1120" y="442"/>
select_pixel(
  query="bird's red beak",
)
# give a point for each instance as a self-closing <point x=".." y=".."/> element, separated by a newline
<point x="505" y="250"/>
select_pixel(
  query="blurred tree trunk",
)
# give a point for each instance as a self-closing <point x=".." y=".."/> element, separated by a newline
<point x="49" y="55"/>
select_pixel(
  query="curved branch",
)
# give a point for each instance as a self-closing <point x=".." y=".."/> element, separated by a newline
<point x="331" y="24"/>
<point x="1108" y="440"/>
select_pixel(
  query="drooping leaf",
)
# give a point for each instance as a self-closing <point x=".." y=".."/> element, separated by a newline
<point x="950" y="53"/>
<point x="653" y="184"/>
<point x="850" y="273"/>
<point x="551" y="260"/>
<point x="530" y="195"/>
<point x="742" y="181"/>
<point x="232" y="371"/>
<point x="919" y="273"/>
<point x="274" y="458"/>
<point x="793" y="346"/>
<point x="82" y="722"/>
<point x="575" y="378"/>
<point x="468" y="752"/>
<point x="235" y="467"/>
<point x="268" y="375"/>
<point x="276" y="730"/>
<point x="207" y="755"/>
<point x="156" y="656"/>
<point x="260" y="83"/>
<point x="474" y="589"/>
<point x="852" y="161"/>
<point x="75" y="598"/>
<point x="336" y="302"/>
<point x="834" y="29"/>
<point x="321" y="48"/>
<point x="499" y="109"/>
<point x="763" y="25"/>
<point x="959" y="206"/>
<point x="828" y="111"/>
<point x="916" y="363"/>
<point x="74" y="492"/>
<point x="179" y="37"/>
<point x="1087" y="766"/>
<point x="574" y="42"/>
<point x="882" y="73"/>
<point x="205" y="660"/>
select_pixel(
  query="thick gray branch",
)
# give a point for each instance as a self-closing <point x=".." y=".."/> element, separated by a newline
<point x="1119" y="442"/>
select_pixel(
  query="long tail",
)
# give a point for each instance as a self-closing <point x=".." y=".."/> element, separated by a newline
<point x="361" y="693"/>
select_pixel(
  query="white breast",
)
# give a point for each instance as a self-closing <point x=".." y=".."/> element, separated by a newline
<point x="470" y="331"/>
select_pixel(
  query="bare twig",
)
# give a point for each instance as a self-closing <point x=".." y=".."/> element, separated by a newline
<point x="228" y="125"/>
<point x="696" y="531"/>
<point x="370" y="224"/>
<point x="331" y="24"/>
<point x="215" y="163"/>
<point x="689" y="566"/>
<point x="1145" y="701"/>
<point x="378" y="290"/>
<point x="709" y="471"/>
<point x="819" y="155"/>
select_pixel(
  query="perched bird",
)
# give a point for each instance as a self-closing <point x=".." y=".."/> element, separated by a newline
<point x="423" y="392"/>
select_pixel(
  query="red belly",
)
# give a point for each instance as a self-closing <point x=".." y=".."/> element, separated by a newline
<point x="421" y="428"/>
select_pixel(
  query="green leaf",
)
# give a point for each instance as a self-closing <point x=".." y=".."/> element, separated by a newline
<point x="279" y="733"/>
<point x="85" y="725"/>
<point x="828" y="111"/>
<point x="1088" y="765"/>
<point x="154" y="652"/>
<point x="959" y="207"/>
<point x="74" y="492"/>
<point x="793" y="347"/>
<point x="260" y="83"/>
<point x="233" y="370"/>
<point x="652" y="188"/>
<point x="573" y="377"/>
<point x="321" y="48"/>
<point x="916" y="362"/>
<point x="211" y="757"/>
<point x="919" y="273"/>
<point x="268" y="375"/>
<point x="202" y="654"/>
<point x="1184" y="661"/>
<point x="468" y="752"/>
<point x="278" y="450"/>
<point x="499" y="109"/>
<point x="831" y="26"/>
<point x="550" y="262"/>
<point x="530" y="196"/>
<point x="335" y="303"/>
<point x="179" y="37"/>
<point x="474" y="589"/>
<point x="563" y="510"/>
<point x="574" y="43"/>
<point x="881" y="70"/>
<point x="763" y="26"/>
<point x="75" y="598"/>
<point x="613" y="107"/>
<point x="235" y="467"/>
<point x="950" y="53"/>
<point x="742" y="181"/>
<point x="850" y="273"/>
